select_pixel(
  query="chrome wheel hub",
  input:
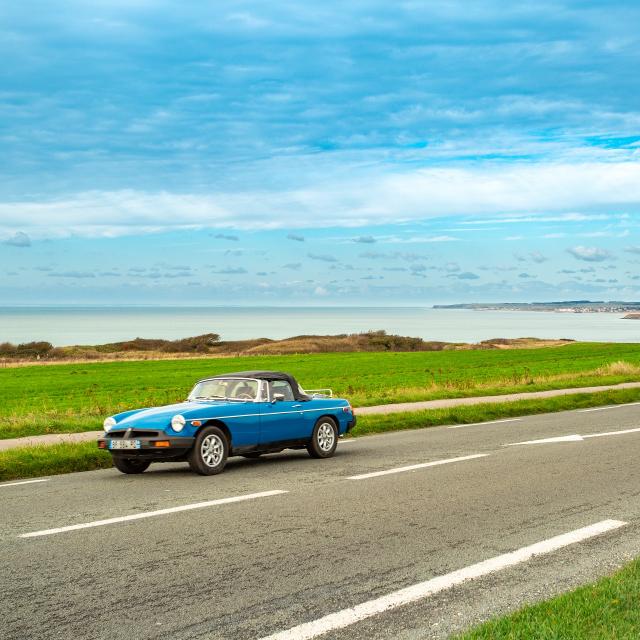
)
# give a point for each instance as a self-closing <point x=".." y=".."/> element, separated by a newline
<point x="326" y="436"/>
<point x="212" y="450"/>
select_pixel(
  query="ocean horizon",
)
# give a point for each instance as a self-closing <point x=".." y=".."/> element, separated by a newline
<point x="64" y="325"/>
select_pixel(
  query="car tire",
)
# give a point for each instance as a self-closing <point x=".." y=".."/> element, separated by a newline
<point x="324" y="439"/>
<point x="210" y="451"/>
<point x="130" y="465"/>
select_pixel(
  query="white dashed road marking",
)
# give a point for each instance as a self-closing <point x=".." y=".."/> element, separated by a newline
<point x="14" y="484"/>
<point x="611" y="433"/>
<point x="615" y="406"/>
<point x="151" y="514"/>
<point x="422" y="590"/>
<point x="412" y="467"/>
<point x="478" y="424"/>
<point x="573" y="438"/>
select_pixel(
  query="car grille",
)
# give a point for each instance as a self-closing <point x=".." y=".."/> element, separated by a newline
<point x="134" y="433"/>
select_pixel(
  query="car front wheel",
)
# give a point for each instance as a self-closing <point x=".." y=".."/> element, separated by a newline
<point x="324" y="439"/>
<point x="210" y="451"/>
<point x="130" y="465"/>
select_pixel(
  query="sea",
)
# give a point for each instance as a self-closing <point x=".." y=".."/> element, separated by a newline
<point x="98" y="325"/>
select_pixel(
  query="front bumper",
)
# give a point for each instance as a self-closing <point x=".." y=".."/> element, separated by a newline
<point x="155" y="448"/>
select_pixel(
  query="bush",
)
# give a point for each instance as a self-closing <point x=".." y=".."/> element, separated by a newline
<point x="198" y="344"/>
<point x="26" y="349"/>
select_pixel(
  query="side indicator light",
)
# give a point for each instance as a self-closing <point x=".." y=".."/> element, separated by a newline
<point x="161" y="443"/>
<point x="196" y="423"/>
<point x="102" y="444"/>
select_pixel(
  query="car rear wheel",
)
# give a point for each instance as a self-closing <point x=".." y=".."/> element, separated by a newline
<point x="130" y="465"/>
<point x="209" y="453"/>
<point x="324" y="439"/>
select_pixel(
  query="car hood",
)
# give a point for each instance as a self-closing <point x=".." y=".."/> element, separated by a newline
<point x="160" y="417"/>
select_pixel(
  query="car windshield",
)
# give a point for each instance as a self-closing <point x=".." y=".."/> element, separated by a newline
<point x="226" y="389"/>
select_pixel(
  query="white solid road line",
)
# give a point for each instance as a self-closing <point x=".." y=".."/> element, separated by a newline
<point x="347" y="617"/>
<point x="13" y="484"/>
<point x="150" y="514"/>
<point x="614" y="406"/>
<point x="478" y="424"/>
<point x="422" y="465"/>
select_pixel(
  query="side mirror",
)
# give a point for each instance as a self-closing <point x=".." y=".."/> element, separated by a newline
<point x="278" y="397"/>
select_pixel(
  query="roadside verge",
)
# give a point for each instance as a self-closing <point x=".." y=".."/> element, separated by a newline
<point x="384" y="409"/>
<point x="605" y="609"/>
<point x="67" y="455"/>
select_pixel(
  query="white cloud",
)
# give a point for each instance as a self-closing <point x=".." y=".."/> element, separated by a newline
<point x="365" y="239"/>
<point x="537" y="257"/>
<point x="514" y="194"/>
<point x="231" y="271"/>
<point x="19" y="239"/>
<point x="589" y="254"/>
<point x="420" y="239"/>
<point x="72" y="274"/>
<point x="322" y="257"/>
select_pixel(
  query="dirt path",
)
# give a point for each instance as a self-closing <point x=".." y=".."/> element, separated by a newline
<point x="360" y="411"/>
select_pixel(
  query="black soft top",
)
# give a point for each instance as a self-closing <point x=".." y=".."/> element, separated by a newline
<point x="269" y="375"/>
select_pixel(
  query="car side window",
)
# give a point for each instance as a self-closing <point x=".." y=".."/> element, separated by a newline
<point x="283" y="387"/>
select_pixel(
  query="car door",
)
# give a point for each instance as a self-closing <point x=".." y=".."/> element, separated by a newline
<point x="282" y="420"/>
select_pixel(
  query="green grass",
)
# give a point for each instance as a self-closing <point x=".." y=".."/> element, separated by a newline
<point x="76" y="397"/>
<point x="608" y="609"/>
<point x="31" y="462"/>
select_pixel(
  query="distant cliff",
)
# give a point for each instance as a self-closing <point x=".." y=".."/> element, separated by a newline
<point x="632" y="316"/>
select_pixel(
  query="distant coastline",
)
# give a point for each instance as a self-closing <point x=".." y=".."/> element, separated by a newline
<point x="84" y="326"/>
<point x="564" y="306"/>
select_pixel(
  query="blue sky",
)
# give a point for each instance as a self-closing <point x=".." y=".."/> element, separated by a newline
<point x="296" y="153"/>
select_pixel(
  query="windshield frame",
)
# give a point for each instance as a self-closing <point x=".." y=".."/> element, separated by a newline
<point x="259" y="393"/>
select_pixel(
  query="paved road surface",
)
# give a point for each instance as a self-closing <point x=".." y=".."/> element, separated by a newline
<point x="54" y="438"/>
<point x="314" y="537"/>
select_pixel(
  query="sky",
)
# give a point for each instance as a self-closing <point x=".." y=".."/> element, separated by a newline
<point x="335" y="153"/>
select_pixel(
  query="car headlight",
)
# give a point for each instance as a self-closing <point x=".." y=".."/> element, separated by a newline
<point x="178" y="422"/>
<point x="109" y="423"/>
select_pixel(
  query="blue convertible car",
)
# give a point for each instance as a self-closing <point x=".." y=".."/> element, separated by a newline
<point x="247" y="413"/>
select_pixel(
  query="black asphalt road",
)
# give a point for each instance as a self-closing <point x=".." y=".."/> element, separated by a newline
<point x="253" y="568"/>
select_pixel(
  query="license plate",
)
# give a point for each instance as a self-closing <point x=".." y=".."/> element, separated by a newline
<point x="124" y="444"/>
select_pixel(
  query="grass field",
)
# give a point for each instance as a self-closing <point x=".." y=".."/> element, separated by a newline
<point x="76" y="397"/>
<point x="606" y="610"/>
